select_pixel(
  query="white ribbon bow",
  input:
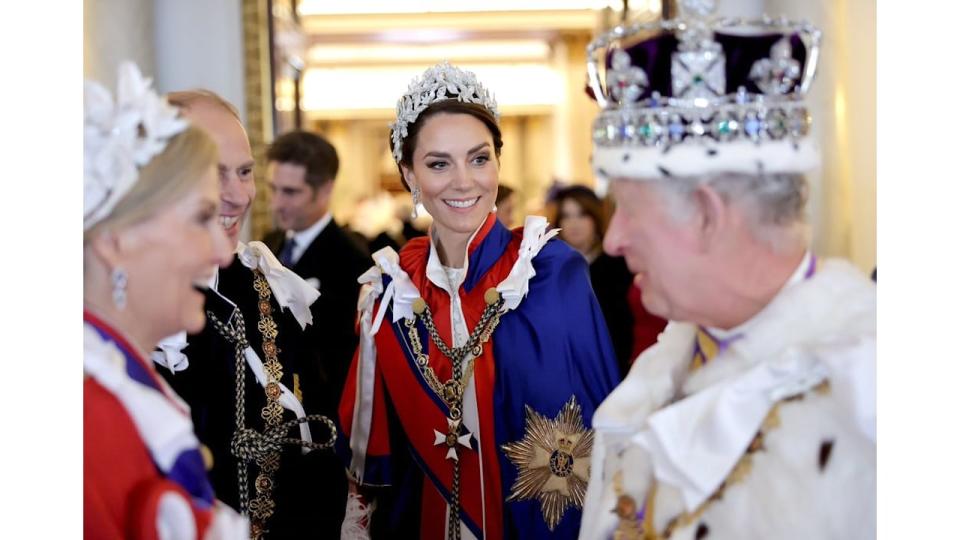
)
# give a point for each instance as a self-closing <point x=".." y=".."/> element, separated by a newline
<point x="170" y="354"/>
<point x="400" y="291"/>
<point x="515" y="287"/>
<point x="290" y="290"/>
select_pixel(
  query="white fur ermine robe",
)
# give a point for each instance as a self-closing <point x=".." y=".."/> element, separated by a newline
<point x="815" y="477"/>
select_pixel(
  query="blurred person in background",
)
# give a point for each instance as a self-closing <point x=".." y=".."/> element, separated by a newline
<point x="582" y="221"/>
<point x="301" y="170"/>
<point x="151" y="241"/>
<point x="506" y="205"/>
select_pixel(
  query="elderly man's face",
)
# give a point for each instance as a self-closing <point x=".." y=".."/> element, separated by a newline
<point x="662" y="251"/>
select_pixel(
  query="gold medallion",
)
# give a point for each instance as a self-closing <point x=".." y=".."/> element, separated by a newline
<point x="553" y="461"/>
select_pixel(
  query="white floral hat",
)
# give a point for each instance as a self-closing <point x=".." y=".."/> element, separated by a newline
<point x="121" y="136"/>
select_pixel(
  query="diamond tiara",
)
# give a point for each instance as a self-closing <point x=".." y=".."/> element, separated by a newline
<point x="121" y="136"/>
<point x="675" y="85"/>
<point x="438" y="83"/>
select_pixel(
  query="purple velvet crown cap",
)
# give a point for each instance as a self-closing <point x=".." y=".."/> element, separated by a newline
<point x="654" y="55"/>
<point x="689" y="97"/>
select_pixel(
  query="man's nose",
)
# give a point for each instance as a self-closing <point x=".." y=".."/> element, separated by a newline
<point x="613" y="240"/>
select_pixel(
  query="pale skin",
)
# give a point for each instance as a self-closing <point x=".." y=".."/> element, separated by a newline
<point x="453" y="164"/>
<point x="166" y="258"/>
<point x="235" y="169"/>
<point x="577" y="228"/>
<point x="296" y="204"/>
<point x="709" y="268"/>
<point x="457" y="171"/>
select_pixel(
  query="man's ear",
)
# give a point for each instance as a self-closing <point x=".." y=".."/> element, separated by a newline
<point x="712" y="215"/>
<point x="323" y="191"/>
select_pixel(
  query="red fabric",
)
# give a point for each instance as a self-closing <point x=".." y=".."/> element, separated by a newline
<point x="121" y="484"/>
<point x="124" y="344"/>
<point x="646" y="326"/>
<point x="418" y="413"/>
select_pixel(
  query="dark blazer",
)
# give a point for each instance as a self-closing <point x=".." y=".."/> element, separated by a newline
<point x="307" y="495"/>
<point x="611" y="280"/>
<point x="336" y="259"/>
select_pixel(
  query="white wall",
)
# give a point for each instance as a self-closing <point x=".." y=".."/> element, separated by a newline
<point x="182" y="44"/>
<point x="843" y="101"/>
<point x="199" y="44"/>
<point x="114" y="31"/>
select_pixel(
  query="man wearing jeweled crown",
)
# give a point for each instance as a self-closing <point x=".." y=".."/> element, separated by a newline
<point x="754" y="416"/>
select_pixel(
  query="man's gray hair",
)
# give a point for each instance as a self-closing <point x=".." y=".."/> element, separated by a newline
<point x="773" y="203"/>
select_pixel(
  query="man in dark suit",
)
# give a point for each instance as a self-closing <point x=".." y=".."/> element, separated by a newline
<point x="286" y="491"/>
<point x="301" y="170"/>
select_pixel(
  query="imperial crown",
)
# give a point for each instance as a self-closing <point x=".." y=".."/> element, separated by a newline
<point x="701" y="94"/>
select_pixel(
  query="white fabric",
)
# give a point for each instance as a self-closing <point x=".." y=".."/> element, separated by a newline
<point x="743" y="156"/>
<point x="120" y="137"/>
<point x="356" y="519"/>
<point x="290" y="290"/>
<point x="371" y="288"/>
<point x="175" y="518"/>
<point x="696" y="442"/>
<point x="170" y="354"/>
<point x="450" y="280"/>
<point x="516" y="285"/>
<point x="287" y="398"/>
<point x="164" y="426"/>
<point x="227" y="524"/>
<point x="401" y="293"/>
<point x="689" y="430"/>
<point x="306" y="237"/>
<point x="161" y="419"/>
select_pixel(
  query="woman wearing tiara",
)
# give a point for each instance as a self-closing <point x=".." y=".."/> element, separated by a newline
<point x="150" y="238"/>
<point x="483" y="350"/>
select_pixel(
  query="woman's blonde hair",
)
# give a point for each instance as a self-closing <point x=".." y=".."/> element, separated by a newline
<point x="168" y="177"/>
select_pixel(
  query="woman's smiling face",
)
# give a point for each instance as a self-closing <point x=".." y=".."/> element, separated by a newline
<point x="456" y="169"/>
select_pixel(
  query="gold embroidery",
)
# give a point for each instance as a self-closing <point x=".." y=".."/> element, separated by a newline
<point x="262" y="506"/>
<point x="553" y="460"/>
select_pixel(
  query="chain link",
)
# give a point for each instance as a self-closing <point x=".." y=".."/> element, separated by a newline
<point x="248" y="445"/>
<point x="451" y="392"/>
